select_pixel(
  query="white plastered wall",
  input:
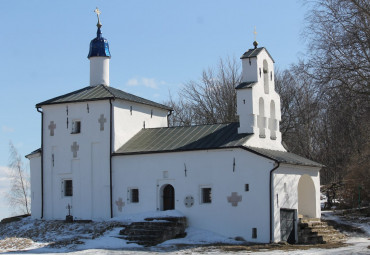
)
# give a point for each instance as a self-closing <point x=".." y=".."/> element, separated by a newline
<point x="89" y="170"/>
<point x="213" y="168"/>
<point x="285" y="192"/>
<point x="127" y="123"/>
<point x="35" y="169"/>
<point x="99" y="71"/>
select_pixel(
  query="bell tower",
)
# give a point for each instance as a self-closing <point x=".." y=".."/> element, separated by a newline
<point x="258" y="104"/>
<point x="99" y="57"/>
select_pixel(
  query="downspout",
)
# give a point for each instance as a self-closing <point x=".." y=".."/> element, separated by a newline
<point x="42" y="161"/>
<point x="271" y="205"/>
<point x="110" y="159"/>
<point x="168" y="116"/>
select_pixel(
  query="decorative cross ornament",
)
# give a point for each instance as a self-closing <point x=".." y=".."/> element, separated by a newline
<point x="189" y="201"/>
<point x="234" y="199"/>
<point x="102" y="120"/>
<point x="52" y="126"/>
<point x="120" y="204"/>
<point x="74" y="149"/>
<point x="98" y="12"/>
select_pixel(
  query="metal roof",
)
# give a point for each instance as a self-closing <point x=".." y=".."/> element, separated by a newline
<point x="252" y="53"/>
<point x="202" y="137"/>
<point x="33" y="153"/>
<point x="285" y="157"/>
<point x="100" y="92"/>
<point x="99" y="46"/>
<point x="245" y="85"/>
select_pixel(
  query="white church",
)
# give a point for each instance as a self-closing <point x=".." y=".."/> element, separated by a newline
<point x="108" y="153"/>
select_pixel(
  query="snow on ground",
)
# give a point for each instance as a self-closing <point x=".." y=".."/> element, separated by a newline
<point x="82" y="238"/>
<point x="358" y="221"/>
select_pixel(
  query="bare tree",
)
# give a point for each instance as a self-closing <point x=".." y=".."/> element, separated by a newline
<point x="339" y="44"/>
<point x="18" y="196"/>
<point x="212" y="99"/>
<point x="300" y="109"/>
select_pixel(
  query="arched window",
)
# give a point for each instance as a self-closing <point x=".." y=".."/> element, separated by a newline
<point x="272" y="121"/>
<point x="261" y="118"/>
<point x="265" y="77"/>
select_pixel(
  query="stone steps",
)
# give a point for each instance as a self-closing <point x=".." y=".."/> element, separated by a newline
<point x="314" y="231"/>
<point x="153" y="231"/>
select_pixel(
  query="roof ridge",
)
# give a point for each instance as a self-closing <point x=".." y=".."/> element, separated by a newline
<point x="198" y="125"/>
<point x="106" y="88"/>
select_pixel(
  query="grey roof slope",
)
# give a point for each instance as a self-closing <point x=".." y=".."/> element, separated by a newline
<point x="100" y="92"/>
<point x="252" y="53"/>
<point x="184" y="138"/>
<point x="285" y="157"/>
<point x="245" y="85"/>
<point x="202" y="137"/>
<point x="33" y="152"/>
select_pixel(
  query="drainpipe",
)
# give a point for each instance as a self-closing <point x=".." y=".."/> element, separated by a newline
<point x="168" y="116"/>
<point x="42" y="161"/>
<point x="271" y="204"/>
<point x="110" y="160"/>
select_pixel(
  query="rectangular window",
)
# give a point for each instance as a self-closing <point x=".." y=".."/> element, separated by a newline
<point x="76" y="127"/>
<point x="134" y="196"/>
<point x="68" y="188"/>
<point x="206" y="195"/>
<point x="246" y="187"/>
<point x="254" y="232"/>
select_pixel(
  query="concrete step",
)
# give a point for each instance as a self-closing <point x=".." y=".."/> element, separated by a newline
<point x="313" y="231"/>
<point x="153" y="231"/>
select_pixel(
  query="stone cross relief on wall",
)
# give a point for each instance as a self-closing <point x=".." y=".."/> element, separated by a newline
<point x="74" y="149"/>
<point x="102" y="120"/>
<point x="52" y="126"/>
<point x="120" y="204"/>
<point x="234" y="199"/>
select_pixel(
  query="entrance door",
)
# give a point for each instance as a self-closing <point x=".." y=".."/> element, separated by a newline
<point x="168" y="198"/>
<point x="287" y="226"/>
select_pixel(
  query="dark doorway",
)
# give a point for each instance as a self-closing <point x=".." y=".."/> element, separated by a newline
<point x="168" y="197"/>
<point x="287" y="225"/>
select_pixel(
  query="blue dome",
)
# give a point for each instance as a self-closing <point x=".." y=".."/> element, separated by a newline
<point x="99" y="46"/>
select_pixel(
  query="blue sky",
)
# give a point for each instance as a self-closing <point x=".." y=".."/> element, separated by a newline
<point x="156" y="46"/>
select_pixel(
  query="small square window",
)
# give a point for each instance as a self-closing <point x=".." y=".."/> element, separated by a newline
<point x="246" y="187"/>
<point x="206" y="195"/>
<point x="76" y="127"/>
<point x="68" y="188"/>
<point x="254" y="232"/>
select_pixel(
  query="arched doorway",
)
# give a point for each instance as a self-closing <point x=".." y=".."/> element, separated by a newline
<point x="306" y="197"/>
<point x="168" y="197"/>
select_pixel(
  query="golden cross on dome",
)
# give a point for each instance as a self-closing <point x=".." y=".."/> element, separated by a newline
<point x="255" y="43"/>
<point x="98" y="12"/>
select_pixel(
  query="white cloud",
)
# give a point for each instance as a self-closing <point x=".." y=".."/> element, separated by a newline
<point x="146" y="82"/>
<point x="150" y="83"/>
<point x="132" y="82"/>
<point x="6" y="129"/>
